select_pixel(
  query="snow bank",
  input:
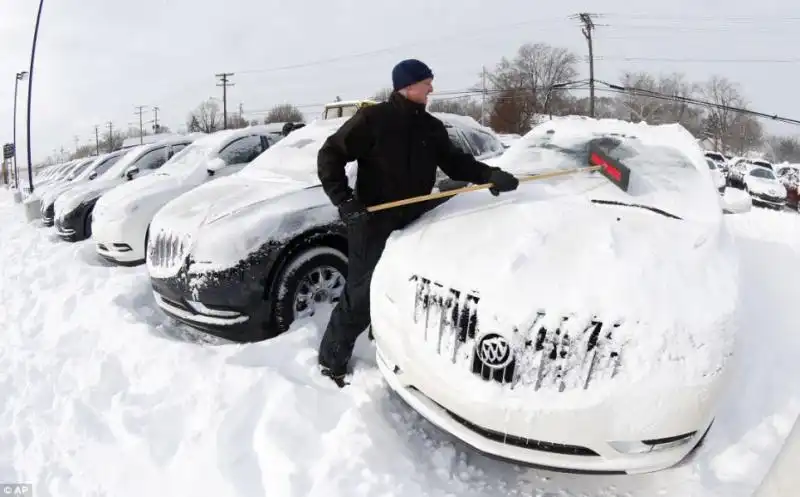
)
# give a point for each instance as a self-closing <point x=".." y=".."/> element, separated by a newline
<point x="102" y="395"/>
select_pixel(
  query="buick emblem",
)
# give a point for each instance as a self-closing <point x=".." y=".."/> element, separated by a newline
<point x="494" y="351"/>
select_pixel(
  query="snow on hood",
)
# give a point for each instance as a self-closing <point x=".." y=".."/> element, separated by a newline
<point x="229" y="217"/>
<point x="668" y="168"/>
<point x="547" y="247"/>
<point x="137" y="189"/>
<point x="672" y="283"/>
<point x="72" y="198"/>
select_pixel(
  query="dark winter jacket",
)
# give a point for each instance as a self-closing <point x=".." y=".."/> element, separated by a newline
<point x="398" y="145"/>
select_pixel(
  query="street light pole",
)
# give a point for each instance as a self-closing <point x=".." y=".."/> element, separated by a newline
<point x="19" y="77"/>
<point x="30" y="93"/>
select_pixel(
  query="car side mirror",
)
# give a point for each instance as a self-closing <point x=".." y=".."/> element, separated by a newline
<point x="131" y="172"/>
<point x="93" y="175"/>
<point x="215" y="165"/>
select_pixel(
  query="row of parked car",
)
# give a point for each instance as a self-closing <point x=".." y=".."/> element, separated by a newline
<point x="769" y="185"/>
<point x="239" y="240"/>
<point x="192" y="207"/>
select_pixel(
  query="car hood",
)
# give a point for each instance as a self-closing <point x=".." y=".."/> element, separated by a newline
<point x="671" y="281"/>
<point x="765" y="185"/>
<point x="71" y="199"/>
<point x="50" y="196"/>
<point x="137" y="190"/>
<point x="237" y="211"/>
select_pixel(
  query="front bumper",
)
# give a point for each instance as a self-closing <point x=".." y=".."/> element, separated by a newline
<point x="119" y="240"/>
<point x="230" y="304"/>
<point x="584" y="439"/>
<point x="71" y="227"/>
<point x="768" y="200"/>
<point x="48" y="214"/>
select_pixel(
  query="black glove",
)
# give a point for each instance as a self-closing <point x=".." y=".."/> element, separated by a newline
<point x="502" y="181"/>
<point x="352" y="210"/>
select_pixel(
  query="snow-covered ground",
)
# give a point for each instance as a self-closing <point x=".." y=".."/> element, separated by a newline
<point x="103" y="395"/>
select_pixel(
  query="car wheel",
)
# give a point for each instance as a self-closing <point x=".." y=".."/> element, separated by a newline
<point x="313" y="278"/>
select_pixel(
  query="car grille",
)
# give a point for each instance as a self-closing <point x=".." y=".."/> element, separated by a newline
<point x="167" y="251"/>
<point x="539" y="355"/>
<point x="769" y="198"/>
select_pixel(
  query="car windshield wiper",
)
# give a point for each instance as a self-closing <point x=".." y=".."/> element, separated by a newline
<point x="640" y="206"/>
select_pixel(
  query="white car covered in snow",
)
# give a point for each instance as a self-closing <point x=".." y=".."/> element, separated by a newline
<point x="568" y="324"/>
<point x="765" y="188"/>
<point x="73" y="209"/>
<point x="717" y="175"/>
<point x="122" y="216"/>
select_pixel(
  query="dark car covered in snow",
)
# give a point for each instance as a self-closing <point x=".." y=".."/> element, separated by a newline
<point x="245" y="256"/>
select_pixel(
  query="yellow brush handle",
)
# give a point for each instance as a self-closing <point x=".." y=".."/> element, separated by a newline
<point x="485" y="186"/>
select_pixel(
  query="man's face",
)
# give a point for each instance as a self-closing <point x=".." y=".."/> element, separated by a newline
<point x="418" y="92"/>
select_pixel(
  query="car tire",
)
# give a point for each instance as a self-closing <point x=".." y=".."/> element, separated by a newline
<point x="325" y="266"/>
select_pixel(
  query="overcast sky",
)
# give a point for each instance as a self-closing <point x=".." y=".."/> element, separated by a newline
<point x="98" y="59"/>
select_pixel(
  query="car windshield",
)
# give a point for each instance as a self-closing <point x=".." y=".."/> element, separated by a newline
<point x="78" y="170"/>
<point x="184" y="161"/>
<point x="711" y="164"/>
<point x="107" y="163"/>
<point x="760" y="172"/>
<point x="295" y="156"/>
<point x="663" y="176"/>
<point x="762" y="164"/>
<point x="714" y="156"/>
<point x="118" y="169"/>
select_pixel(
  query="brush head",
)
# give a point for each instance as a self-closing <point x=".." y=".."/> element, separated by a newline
<point x="612" y="169"/>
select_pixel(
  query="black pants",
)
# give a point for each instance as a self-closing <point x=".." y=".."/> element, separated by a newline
<point x="351" y="316"/>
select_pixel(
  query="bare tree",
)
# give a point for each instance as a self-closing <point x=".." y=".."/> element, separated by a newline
<point x="784" y="148"/>
<point x="206" y="118"/>
<point x="382" y="95"/>
<point x="719" y="122"/>
<point x="236" y="121"/>
<point x="523" y="85"/>
<point x="744" y="134"/>
<point x="465" y="106"/>
<point x="284" y="113"/>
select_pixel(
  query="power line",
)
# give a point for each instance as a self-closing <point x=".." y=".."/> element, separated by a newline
<point x="681" y="60"/>
<point x="461" y="34"/>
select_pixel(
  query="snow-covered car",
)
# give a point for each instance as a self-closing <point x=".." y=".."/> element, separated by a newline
<point x="789" y="176"/>
<point x="568" y="324"/>
<point x="122" y="216"/>
<point x="243" y="257"/>
<point x="719" y="159"/>
<point x="740" y="168"/>
<point x="765" y="188"/>
<point x="717" y="175"/>
<point x="96" y="168"/>
<point x="73" y="208"/>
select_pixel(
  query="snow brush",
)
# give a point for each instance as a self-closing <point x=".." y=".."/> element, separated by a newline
<point x="611" y="169"/>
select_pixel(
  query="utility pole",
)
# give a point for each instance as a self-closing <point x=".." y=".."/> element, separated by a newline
<point x="588" y="27"/>
<point x="139" y="111"/>
<point x="225" y="84"/>
<point x="97" y="138"/>
<point x="110" y="136"/>
<point x="77" y="141"/>
<point x="155" y="120"/>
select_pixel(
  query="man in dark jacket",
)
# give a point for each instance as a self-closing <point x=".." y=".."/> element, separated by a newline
<point x="398" y="146"/>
